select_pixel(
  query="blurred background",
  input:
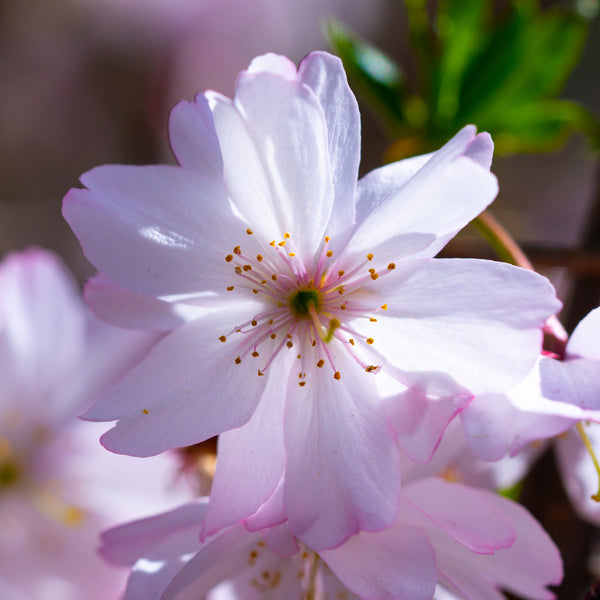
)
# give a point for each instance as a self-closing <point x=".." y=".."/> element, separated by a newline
<point x="86" y="82"/>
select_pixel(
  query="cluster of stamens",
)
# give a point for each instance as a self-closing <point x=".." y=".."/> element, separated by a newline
<point x="306" y="306"/>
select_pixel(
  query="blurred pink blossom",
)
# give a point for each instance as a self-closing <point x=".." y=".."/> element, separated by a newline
<point x="471" y="542"/>
<point x="58" y="487"/>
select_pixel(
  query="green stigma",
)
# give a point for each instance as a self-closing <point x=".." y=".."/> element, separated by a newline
<point x="301" y="301"/>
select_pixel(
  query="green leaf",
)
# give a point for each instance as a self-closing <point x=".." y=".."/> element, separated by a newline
<point x="528" y="57"/>
<point x="461" y="31"/>
<point x="539" y="126"/>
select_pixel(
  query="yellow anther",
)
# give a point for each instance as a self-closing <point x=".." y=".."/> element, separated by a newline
<point x="370" y="341"/>
<point x="292" y="254"/>
<point x="274" y="277"/>
<point x="237" y="250"/>
<point x="343" y="307"/>
<point x="341" y="289"/>
<point x="254" y="291"/>
<point x="145" y="411"/>
<point x="329" y="253"/>
<point x="260" y="373"/>
<point x="259" y="258"/>
<point x="255" y="354"/>
<point x="374" y="276"/>
<point x="371" y="270"/>
<point x="230" y="288"/>
<point x="263" y="281"/>
<point x="384" y="307"/>
<point x="290" y="344"/>
<point x="351" y="341"/>
<point x="249" y="231"/>
<point x="238" y="270"/>
<point x="254" y="323"/>
<point x="341" y="273"/>
<point x="223" y="338"/>
<point x="247" y="268"/>
<point x="302" y="383"/>
<point x="238" y="360"/>
<point x="273" y="336"/>
<point x="313" y="343"/>
<point x="272" y="243"/>
<point x="327" y="239"/>
<point x="320" y="363"/>
<point x="282" y="243"/>
<point x="391" y="267"/>
<point x="369" y="256"/>
<point x="371" y="368"/>
<point x="373" y="319"/>
<point x="286" y="236"/>
<point x="229" y="257"/>
<point x="337" y="375"/>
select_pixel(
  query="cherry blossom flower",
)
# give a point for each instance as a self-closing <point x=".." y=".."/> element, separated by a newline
<point x="562" y="391"/>
<point x="310" y="321"/>
<point x="58" y="487"/>
<point x="559" y="392"/>
<point x="473" y="543"/>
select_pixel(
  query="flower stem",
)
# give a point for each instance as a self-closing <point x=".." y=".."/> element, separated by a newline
<point x="503" y="244"/>
<point x="588" y="445"/>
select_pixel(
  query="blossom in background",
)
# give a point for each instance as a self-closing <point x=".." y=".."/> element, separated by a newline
<point x="560" y="392"/>
<point x="278" y="273"/>
<point x="473" y="543"/>
<point x="58" y="487"/>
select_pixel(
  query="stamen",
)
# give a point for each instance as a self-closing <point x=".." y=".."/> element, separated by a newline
<point x="588" y="445"/>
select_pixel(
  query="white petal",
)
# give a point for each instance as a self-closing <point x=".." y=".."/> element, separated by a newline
<point x="440" y="198"/>
<point x="584" y="340"/>
<point x="186" y="390"/>
<point x="419" y="421"/>
<point x="157" y="230"/>
<point x="325" y="75"/>
<point x="252" y="457"/>
<point x="342" y="470"/>
<point x="460" y="326"/>
<point x="194" y="139"/>
<point x="276" y="164"/>
<point x="124" y="308"/>
<point x="396" y="563"/>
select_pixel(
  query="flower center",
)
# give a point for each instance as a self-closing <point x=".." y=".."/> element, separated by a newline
<point x="306" y="304"/>
<point x="302" y="301"/>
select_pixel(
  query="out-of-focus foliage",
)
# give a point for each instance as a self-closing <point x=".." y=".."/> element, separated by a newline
<point x="502" y="72"/>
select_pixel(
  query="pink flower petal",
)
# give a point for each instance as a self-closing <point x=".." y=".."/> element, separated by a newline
<point x="459" y="326"/>
<point x="250" y="458"/>
<point x="167" y="401"/>
<point x="325" y="75"/>
<point x="194" y="139"/>
<point x="440" y="198"/>
<point x="156" y="230"/>
<point x="276" y="164"/>
<point x="463" y="514"/>
<point x="419" y="421"/>
<point x="394" y="564"/>
<point x="124" y="308"/>
<point x="341" y="455"/>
